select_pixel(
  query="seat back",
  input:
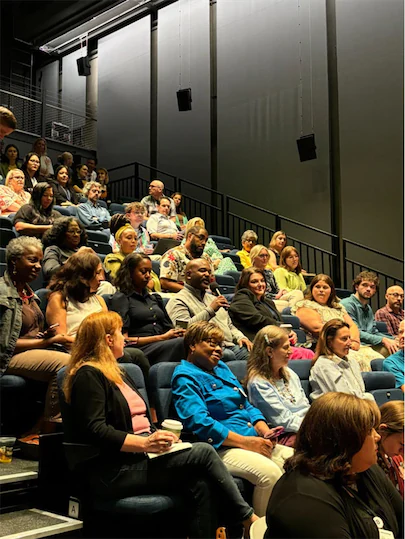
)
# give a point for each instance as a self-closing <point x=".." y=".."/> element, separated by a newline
<point x="226" y="289"/>
<point x="302" y="368"/>
<point x="3" y="268"/>
<point x="156" y="267"/>
<point x="67" y="211"/>
<point x="222" y="239"/>
<point x="343" y="293"/>
<point x="5" y="222"/>
<point x="234" y="274"/>
<point x="290" y="319"/>
<point x="381" y="326"/>
<point x="384" y="395"/>
<point x="160" y="383"/>
<point x="238" y="368"/>
<point x="377" y="364"/>
<point x="116" y="208"/>
<point x="103" y="248"/>
<point x="6" y="235"/>
<point x="43" y="294"/>
<point x="97" y="235"/>
<point x="378" y="380"/>
<point x="2" y="255"/>
<point x="225" y="280"/>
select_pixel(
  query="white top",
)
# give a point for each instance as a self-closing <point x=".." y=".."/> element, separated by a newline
<point x="76" y="312"/>
<point x="337" y="374"/>
<point x="161" y="224"/>
<point x="283" y="405"/>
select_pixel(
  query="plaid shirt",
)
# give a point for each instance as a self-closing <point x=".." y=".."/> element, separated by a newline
<point x="387" y="315"/>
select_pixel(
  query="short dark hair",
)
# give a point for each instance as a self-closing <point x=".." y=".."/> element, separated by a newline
<point x="332" y="432"/>
<point x="25" y="163"/>
<point x="117" y="221"/>
<point x="165" y="198"/>
<point x="245" y="276"/>
<point x="4" y="158"/>
<point x="123" y="281"/>
<point x="200" y="331"/>
<point x="368" y="276"/>
<point x="57" y="234"/>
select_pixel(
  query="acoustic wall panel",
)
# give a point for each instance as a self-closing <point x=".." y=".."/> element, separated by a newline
<point x="183" y="61"/>
<point x="123" y="132"/>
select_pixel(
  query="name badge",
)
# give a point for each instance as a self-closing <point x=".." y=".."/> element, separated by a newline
<point x="383" y="534"/>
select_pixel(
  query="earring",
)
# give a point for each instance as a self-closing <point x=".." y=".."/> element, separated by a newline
<point x="14" y="270"/>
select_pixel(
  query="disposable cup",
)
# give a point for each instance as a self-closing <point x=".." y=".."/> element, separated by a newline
<point x="6" y="448"/>
<point x="172" y="425"/>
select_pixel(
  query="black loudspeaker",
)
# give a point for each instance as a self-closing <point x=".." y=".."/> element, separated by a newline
<point x="83" y="66"/>
<point x="306" y="147"/>
<point x="184" y="99"/>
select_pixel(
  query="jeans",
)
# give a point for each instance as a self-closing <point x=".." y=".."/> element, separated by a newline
<point x="235" y="352"/>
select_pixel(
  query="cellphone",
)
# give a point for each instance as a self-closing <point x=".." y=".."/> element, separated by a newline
<point x="276" y="434"/>
<point x="183" y="324"/>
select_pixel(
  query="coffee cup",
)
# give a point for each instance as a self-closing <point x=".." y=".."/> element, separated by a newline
<point x="173" y="425"/>
<point x="6" y="448"/>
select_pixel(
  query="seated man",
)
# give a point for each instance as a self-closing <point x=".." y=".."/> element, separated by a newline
<point x="90" y="213"/>
<point x="159" y="225"/>
<point x="365" y="285"/>
<point x="151" y="202"/>
<point x="392" y="314"/>
<point x="174" y="261"/>
<point x="195" y="303"/>
<point x="395" y="363"/>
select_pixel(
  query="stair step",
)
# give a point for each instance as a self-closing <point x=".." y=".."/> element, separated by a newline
<point x="34" y="524"/>
<point x="18" y="470"/>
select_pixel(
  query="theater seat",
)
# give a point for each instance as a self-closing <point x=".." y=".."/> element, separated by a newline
<point x="343" y="293"/>
<point x="377" y="364"/>
<point x="382" y="327"/>
<point x="234" y="274"/>
<point x="225" y="280"/>
<point x="302" y="368"/>
<point x="116" y="208"/>
<point x="5" y="222"/>
<point x="378" y="380"/>
<point x="384" y="395"/>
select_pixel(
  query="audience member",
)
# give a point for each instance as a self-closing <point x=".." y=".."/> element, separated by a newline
<point x="174" y="261"/>
<point x="321" y="305"/>
<point x="61" y="241"/>
<point x="248" y="240"/>
<point x="212" y="404"/>
<point x="393" y="313"/>
<point x="159" y="225"/>
<point x="332" y="486"/>
<point x="38" y="216"/>
<point x="147" y="325"/>
<point x="194" y="303"/>
<point x="46" y="168"/>
<point x="277" y="243"/>
<point x="64" y="192"/>
<point x="103" y="179"/>
<point x="25" y="348"/>
<point x="391" y="445"/>
<point x="151" y="202"/>
<point x="107" y="412"/>
<point x="91" y="164"/>
<point x="66" y="159"/>
<point x="283" y="298"/>
<point x="91" y="213"/>
<point x="251" y="310"/>
<point x="272" y="387"/>
<point x="365" y="285"/>
<point x="136" y="213"/>
<point x="334" y="368"/>
<point x="12" y="195"/>
<point x="395" y="362"/>
<point x="8" y="122"/>
<point x="79" y="178"/>
<point x="10" y="160"/>
<point x="289" y="274"/>
<point x="30" y="167"/>
<point x="219" y="263"/>
<point x="181" y="217"/>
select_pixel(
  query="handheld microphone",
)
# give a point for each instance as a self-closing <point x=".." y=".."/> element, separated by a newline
<point x="215" y="288"/>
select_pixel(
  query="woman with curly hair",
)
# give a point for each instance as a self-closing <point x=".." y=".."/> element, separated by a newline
<point x="332" y="486"/>
<point x="38" y="216"/>
<point x="60" y="242"/>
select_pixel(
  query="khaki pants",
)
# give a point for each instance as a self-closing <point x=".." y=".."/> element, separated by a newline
<point x="288" y="300"/>
<point x="41" y="365"/>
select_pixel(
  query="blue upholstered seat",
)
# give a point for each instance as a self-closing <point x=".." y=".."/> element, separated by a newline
<point x="377" y="364"/>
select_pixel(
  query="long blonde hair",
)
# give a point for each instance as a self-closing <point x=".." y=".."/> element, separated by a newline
<point x="273" y="241"/>
<point x="392" y="414"/>
<point x="91" y="348"/>
<point x="259" y="363"/>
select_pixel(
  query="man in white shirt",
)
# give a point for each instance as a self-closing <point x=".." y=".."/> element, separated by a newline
<point x="159" y="225"/>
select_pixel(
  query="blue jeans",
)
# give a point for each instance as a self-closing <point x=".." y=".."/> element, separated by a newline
<point x="235" y="352"/>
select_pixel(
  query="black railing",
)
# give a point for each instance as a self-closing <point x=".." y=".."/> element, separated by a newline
<point x="231" y="216"/>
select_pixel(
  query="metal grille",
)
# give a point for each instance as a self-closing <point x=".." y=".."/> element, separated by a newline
<point x="26" y="110"/>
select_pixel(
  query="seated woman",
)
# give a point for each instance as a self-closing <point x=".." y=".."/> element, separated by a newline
<point x="334" y="368"/>
<point x="251" y="310"/>
<point x="79" y="178"/>
<point x="332" y="486"/>
<point x="274" y="388"/>
<point x="181" y="217"/>
<point x="277" y="243"/>
<point x="10" y="160"/>
<point x="63" y="240"/>
<point x="282" y="298"/>
<point x="46" y="168"/>
<point x="38" y="216"/>
<point x="74" y="296"/>
<point x="12" y="194"/>
<point x="289" y="275"/>
<point x="321" y="305"/>
<point x="105" y="410"/>
<point x="248" y="240"/>
<point x="391" y="445"/>
<point x="147" y="325"/>
<point x="66" y="159"/>
<point x="25" y="348"/>
<point x="212" y="404"/>
<point x="30" y="167"/>
<point x="220" y="263"/>
<point x="103" y="179"/>
<point x="64" y="193"/>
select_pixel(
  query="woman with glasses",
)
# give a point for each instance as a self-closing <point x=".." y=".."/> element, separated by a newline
<point x="213" y="405"/>
<point x="30" y="167"/>
<point x="12" y="195"/>
<point x="282" y="298"/>
<point x="289" y="275"/>
<point x="248" y="240"/>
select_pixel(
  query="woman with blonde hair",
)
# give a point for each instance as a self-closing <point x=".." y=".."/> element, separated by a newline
<point x="46" y="168"/>
<point x="289" y="274"/>
<point x="277" y="243"/>
<point x="391" y="445"/>
<point x="260" y="255"/>
<point x="12" y="195"/>
<point x="107" y="412"/>
<point x="272" y="386"/>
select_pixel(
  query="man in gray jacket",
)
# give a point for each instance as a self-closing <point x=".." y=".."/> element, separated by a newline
<point x="194" y="303"/>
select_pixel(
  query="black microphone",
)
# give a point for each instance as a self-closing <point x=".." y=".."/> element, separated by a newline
<point x="214" y="287"/>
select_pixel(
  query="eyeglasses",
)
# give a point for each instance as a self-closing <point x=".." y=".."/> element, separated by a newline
<point x="251" y="240"/>
<point x="396" y="295"/>
<point x="214" y="344"/>
<point x="140" y="214"/>
<point x="263" y="256"/>
<point x="75" y="232"/>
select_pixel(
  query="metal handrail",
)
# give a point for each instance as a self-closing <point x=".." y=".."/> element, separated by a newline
<point x="21" y="96"/>
<point x="309" y="227"/>
<point x="70" y="112"/>
<point x="251" y="205"/>
<point x="373" y="250"/>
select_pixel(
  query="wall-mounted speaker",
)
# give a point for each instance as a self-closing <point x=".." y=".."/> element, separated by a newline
<point x="184" y="99"/>
<point x="306" y="147"/>
<point x="83" y="66"/>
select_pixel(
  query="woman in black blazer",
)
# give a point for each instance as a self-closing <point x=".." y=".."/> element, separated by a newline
<point x="105" y="411"/>
<point x="62" y="189"/>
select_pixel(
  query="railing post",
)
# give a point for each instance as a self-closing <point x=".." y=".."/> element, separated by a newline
<point x="278" y="222"/>
<point x="225" y="212"/>
<point x="43" y="114"/>
<point x="176" y="184"/>
<point x="344" y="256"/>
<point x="136" y="174"/>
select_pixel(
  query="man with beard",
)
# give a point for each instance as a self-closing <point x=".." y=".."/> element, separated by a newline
<point x="393" y="313"/>
<point x="195" y="303"/>
<point x="174" y="261"/>
<point x="365" y="285"/>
